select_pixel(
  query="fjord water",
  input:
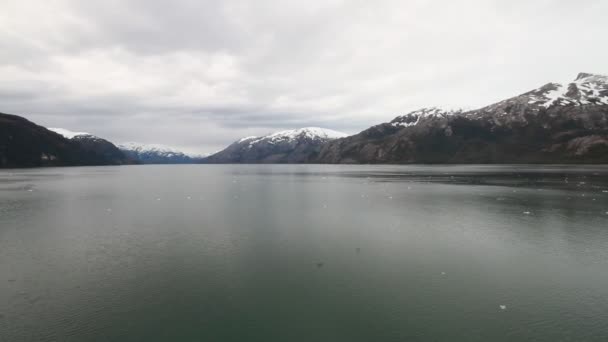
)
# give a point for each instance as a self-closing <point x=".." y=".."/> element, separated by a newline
<point x="304" y="253"/>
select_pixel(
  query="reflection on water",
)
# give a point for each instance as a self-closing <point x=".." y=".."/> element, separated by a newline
<point x="304" y="252"/>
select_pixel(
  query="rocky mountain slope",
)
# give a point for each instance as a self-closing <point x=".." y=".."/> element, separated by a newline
<point x="292" y="146"/>
<point x="25" y="144"/>
<point x="96" y="147"/>
<point x="157" y="154"/>
<point x="556" y="123"/>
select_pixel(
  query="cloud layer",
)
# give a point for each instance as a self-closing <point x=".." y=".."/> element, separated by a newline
<point x="200" y="74"/>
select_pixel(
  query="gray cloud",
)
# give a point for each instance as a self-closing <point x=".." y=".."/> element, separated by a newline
<point x="200" y="74"/>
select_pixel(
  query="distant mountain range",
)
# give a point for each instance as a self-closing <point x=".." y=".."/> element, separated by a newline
<point x="135" y="152"/>
<point x="293" y="146"/>
<point x="158" y="154"/>
<point x="555" y="123"/>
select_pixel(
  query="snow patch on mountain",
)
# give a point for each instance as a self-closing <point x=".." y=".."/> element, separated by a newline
<point x="156" y="149"/>
<point x="413" y="118"/>
<point x="67" y="133"/>
<point x="585" y="90"/>
<point x="247" y="138"/>
<point x="289" y="146"/>
<point x="313" y="133"/>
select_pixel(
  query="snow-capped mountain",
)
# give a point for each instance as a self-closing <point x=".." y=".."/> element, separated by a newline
<point x="157" y="154"/>
<point x="555" y="123"/>
<point x="137" y="152"/>
<point x="415" y="117"/>
<point x="311" y="133"/>
<point x="291" y="146"/>
<point x="25" y="144"/>
<point x="97" y="147"/>
<point x="587" y="89"/>
<point x="586" y="93"/>
<point x="67" y="133"/>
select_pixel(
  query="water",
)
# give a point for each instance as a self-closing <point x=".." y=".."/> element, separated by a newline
<point x="304" y="253"/>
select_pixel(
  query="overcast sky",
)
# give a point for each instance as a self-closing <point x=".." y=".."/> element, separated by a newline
<point x="198" y="74"/>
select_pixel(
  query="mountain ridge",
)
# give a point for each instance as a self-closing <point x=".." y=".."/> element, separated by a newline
<point x="135" y="152"/>
<point x="554" y="123"/>
<point x="289" y="146"/>
<point x="95" y="146"/>
<point x="26" y="144"/>
<point x="158" y="154"/>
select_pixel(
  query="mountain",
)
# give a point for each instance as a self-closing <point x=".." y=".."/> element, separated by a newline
<point x="135" y="152"/>
<point x="25" y="144"/>
<point x="157" y="154"/>
<point x="95" y="146"/>
<point x="292" y="146"/>
<point x="556" y="123"/>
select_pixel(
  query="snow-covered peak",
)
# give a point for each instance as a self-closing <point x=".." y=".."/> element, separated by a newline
<point x="247" y="138"/>
<point x="587" y="89"/>
<point x="586" y="77"/>
<point x="149" y="148"/>
<point x="157" y="149"/>
<point x="67" y="133"/>
<point x="290" y="146"/>
<point x="313" y="133"/>
<point x="413" y="118"/>
<point x="310" y="132"/>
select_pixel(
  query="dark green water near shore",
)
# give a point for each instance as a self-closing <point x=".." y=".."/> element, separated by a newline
<point x="304" y="253"/>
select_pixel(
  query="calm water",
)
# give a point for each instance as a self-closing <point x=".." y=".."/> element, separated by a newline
<point x="304" y="253"/>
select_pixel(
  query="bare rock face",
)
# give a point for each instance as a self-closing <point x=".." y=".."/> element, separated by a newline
<point x="583" y="145"/>
<point x="293" y="146"/>
<point x="556" y="123"/>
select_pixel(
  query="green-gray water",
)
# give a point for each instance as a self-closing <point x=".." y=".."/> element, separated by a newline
<point x="304" y="253"/>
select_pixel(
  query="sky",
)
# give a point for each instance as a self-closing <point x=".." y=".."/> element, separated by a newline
<point x="200" y="74"/>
